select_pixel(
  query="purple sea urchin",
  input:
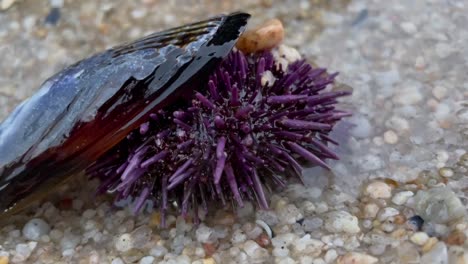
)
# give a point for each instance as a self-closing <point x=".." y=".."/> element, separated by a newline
<point x="253" y="126"/>
<point x="86" y="109"/>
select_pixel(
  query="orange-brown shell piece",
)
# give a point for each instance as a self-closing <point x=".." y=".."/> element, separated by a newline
<point x="264" y="37"/>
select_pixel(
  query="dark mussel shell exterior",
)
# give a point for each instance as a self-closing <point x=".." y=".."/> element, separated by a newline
<point x="89" y="107"/>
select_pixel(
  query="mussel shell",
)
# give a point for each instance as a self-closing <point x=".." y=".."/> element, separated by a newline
<point x="83" y="111"/>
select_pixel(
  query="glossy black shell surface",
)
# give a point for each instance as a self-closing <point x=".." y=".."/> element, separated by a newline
<point x="84" y="110"/>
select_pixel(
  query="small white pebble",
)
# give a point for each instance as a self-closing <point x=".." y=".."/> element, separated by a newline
<point x="308" y="207"/>
<point x="379" y="190"/>
<point x="319" y="261"/>
<point x="268" y="79"/>
<point x="355" y="258"/>
<point x="124" y="242"/>
<point x="419" y="238"/>
<point x="69" y="241"/>
<point x="254" y="250"/>
<point x="386" y="213"/>
<point x="199" y="252"/>
<point x="56" y="235"/>
<point x="330" y="256"/>
<point x="158" y="251"/>
<point x="305" y="260"/>
<point x="371" y="210"/>
<point x="307" y="245"/>
<point x="23" y="251"/>
<point x="286" y="260"/>
<point x="409" y="28"/>
<point x="439" y="92"/>
<point x="5" y="4"/>
<point x="397" y="123"/>
<point x="402" y="197"/>
<point x="56" y="3"/>
<point x="289" y="214"/>
<point x="390" y="137"/>
<point x="68" y="252"/>
<point x="442" y="156"/>
<point x="45" y="238"/>
<point x="205" y="234"/>
<point x="280" y="252"/>
<point x="387" y="227"/>
<point x="342" y="221"/>
<point x="35" y="228"/>
<point x="146" y="260"/>
<point x="321" y="207"/>
<point x="378" y="141"/>
<point x="138" y="13"/>
<point x="446" y="172"/>
<point x="420" y="62"/>
<point x="238" y="237"/>
<point x="117" y="261"/>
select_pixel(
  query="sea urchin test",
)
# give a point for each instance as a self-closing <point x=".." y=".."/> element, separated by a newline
<point x="179" y="117"/>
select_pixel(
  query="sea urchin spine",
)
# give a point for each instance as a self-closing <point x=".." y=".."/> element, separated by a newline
<point x="249" y="129"/>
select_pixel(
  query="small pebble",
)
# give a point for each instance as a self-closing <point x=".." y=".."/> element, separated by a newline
<point x="69" y="241"/>
<point x="312" y="223"/>
<point x="420" y="63"/>
<point x="457" y="255"/>
<point x="254" y="250"/>
<point x="330" y="256"/>
<point x="205" y="234"/>
<point x="35" y="228"/>
<point x="23" y="251"/>
<point x="371" y="210"/>
<point x="238" y="237"/>
<point x="280" y="252"/>
<point x="5" y="4"/>
<point x="419" y="238"/>
<point x="286" y="260"/>
<point x="308" y="246"/>
<point x="439" y="205"/>
<point x="289" y="214"/>
<point x="117" y="261"/>
<point x="446" y="172"/>
<point x="379" y="190"/>
<point x="386" y="213"/>
<point x="408" y="253"/>
<point x="356" y="258"/>
<point x="124" y="243"/>
<point x="209" y="261"/>
<point x="264" y="37"/>
<point x="158" y="251"/>
<point x="456" y="238"/>
<point x="429" y="244"/>
<point x="409" y="28"/>
<point x="390" y="137"/>
<point x="439" y="92"/>
<point x="342" y="221"/>
<point x="402" y="197"/>
<point x="147" y="260"/>
<point x="438" y="254"/>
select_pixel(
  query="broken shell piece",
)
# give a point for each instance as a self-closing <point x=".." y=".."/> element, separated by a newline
<point x="264" y="37"/>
